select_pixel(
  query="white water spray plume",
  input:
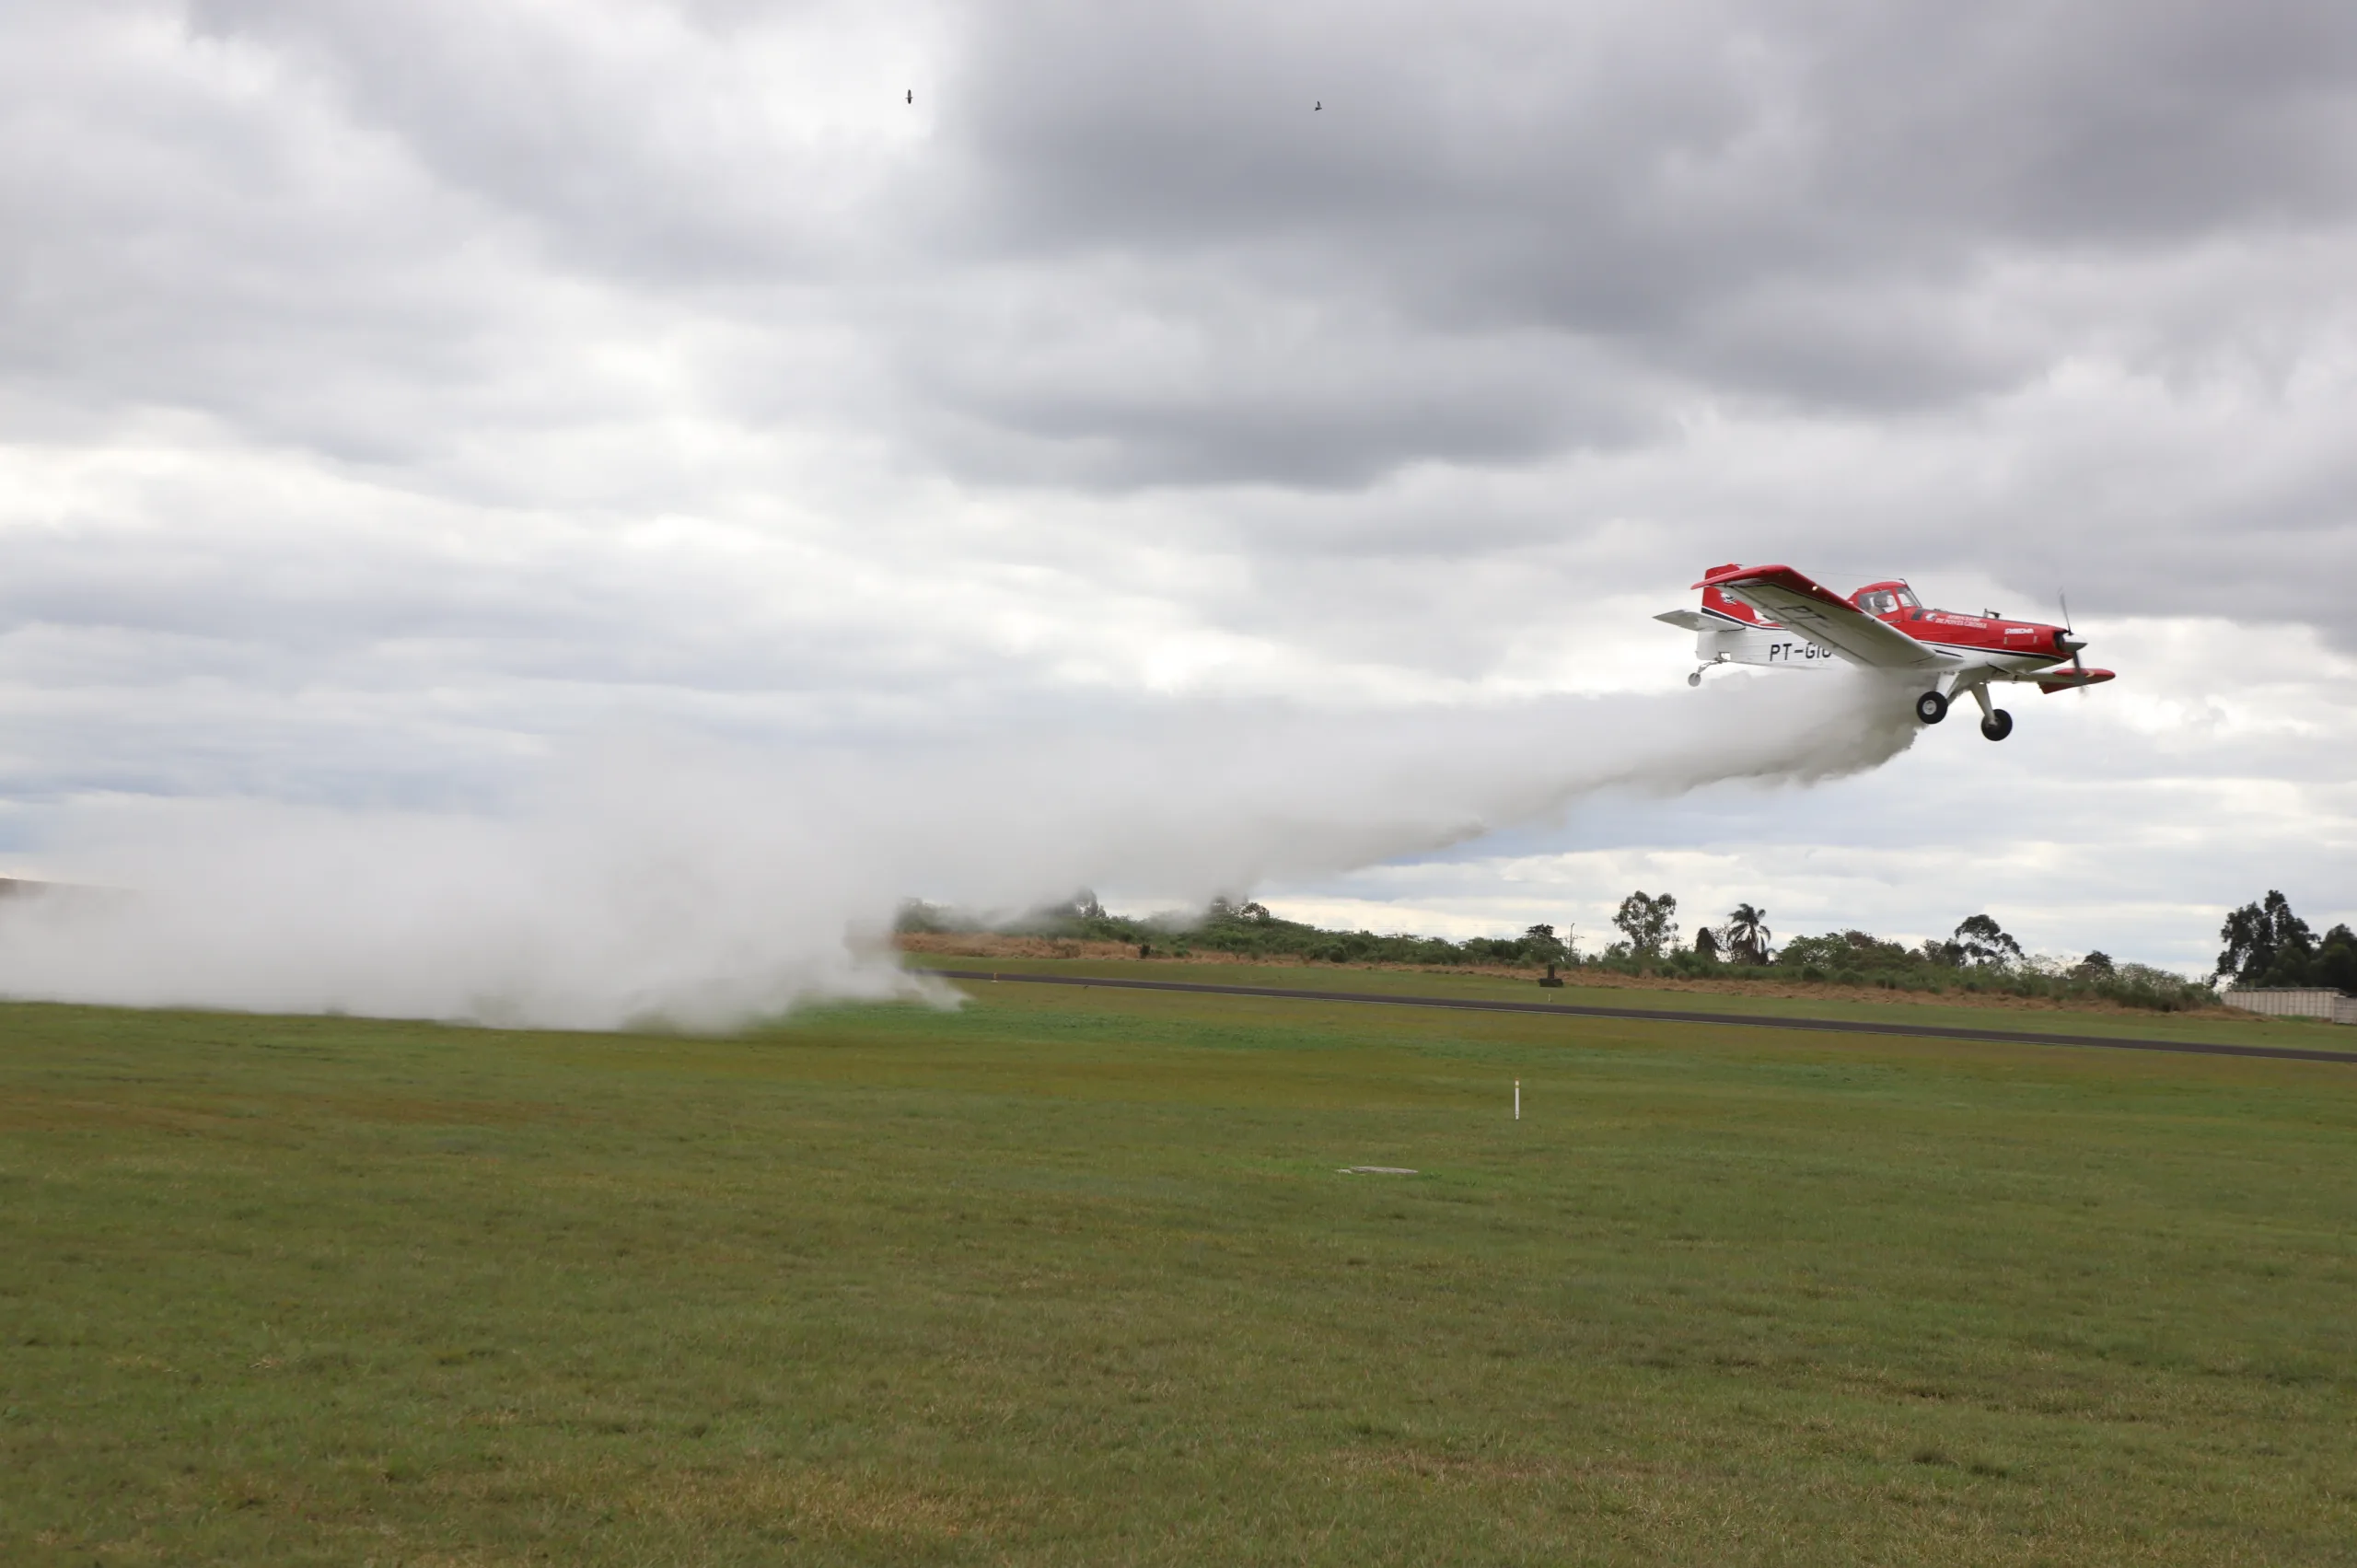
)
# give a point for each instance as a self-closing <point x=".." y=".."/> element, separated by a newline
<point x="660" y="880"/>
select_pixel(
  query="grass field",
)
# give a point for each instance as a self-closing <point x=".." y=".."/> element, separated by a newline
<point x="1070" y="1276"/>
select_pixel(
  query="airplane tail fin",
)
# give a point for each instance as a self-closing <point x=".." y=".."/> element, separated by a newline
<point x="1728" y="631"/>
<point x="1719" y="603"/>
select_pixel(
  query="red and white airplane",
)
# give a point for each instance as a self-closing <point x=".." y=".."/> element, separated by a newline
<point x="1772" y="615"/>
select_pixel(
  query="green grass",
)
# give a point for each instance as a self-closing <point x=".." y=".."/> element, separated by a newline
<point x="1070" y="1277"/>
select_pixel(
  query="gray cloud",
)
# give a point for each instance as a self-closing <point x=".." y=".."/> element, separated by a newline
<point x="1662" y="150"/>
<point x="1796" y="203"/>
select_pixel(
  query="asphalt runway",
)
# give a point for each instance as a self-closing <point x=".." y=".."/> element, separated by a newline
<point x="1748" y="1020"/>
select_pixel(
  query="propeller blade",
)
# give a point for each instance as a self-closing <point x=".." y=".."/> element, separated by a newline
<point x="2078" y="667"/>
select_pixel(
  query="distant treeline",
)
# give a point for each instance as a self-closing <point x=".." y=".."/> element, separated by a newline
<point x="1978" y="957"/>
<point x="1247" y="930"/>
<point x="2267" y="945"/>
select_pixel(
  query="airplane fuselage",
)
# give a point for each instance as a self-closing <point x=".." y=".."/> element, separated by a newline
<point x="1775" y="617"/>
<point x="1731" y="632"/>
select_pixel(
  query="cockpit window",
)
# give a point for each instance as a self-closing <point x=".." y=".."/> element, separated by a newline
<point x="1880" y="602"/>
<point x="1907" y="599"/>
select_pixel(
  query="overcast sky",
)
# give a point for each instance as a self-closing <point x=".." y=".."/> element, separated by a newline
<point x="388" y="392"/>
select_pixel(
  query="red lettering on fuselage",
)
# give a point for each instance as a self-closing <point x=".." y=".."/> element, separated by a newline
<point x="1945" y="628"/>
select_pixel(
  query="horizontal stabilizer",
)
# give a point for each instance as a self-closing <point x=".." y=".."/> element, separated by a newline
<point x="1692" y="619"/>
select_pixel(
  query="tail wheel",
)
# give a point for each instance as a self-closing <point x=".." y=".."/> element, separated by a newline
<point x="1998" y="725"/>
<point x="1931" y="708"/>
<point x="1695" y="678"/>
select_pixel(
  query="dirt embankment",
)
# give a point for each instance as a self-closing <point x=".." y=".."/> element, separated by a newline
<point x="986" y="945"/>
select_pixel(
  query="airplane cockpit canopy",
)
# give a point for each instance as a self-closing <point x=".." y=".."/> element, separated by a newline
<point x="1887" y="599"/>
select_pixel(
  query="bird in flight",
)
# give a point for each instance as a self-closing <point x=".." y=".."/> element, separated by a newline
<point x="912" y="95"/>
<point x="1320" y="104"/>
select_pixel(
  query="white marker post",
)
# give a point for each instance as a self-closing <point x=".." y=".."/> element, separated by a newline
<point x="1518" y="1099"/>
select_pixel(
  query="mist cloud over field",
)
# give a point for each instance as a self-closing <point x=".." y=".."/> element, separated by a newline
<point x="656" y="875"/>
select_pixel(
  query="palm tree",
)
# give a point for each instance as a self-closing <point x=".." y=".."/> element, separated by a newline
<point x="1747" y="934"/>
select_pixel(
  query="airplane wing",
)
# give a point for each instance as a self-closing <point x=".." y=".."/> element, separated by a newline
<point x="2052" y="680"/>
<point x="1818" y="613"/>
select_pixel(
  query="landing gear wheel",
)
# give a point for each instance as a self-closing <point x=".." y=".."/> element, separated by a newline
<point x="1695" y="678"/>
<point x="1931" y="708"/>
<point x="1998" y="725"/>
